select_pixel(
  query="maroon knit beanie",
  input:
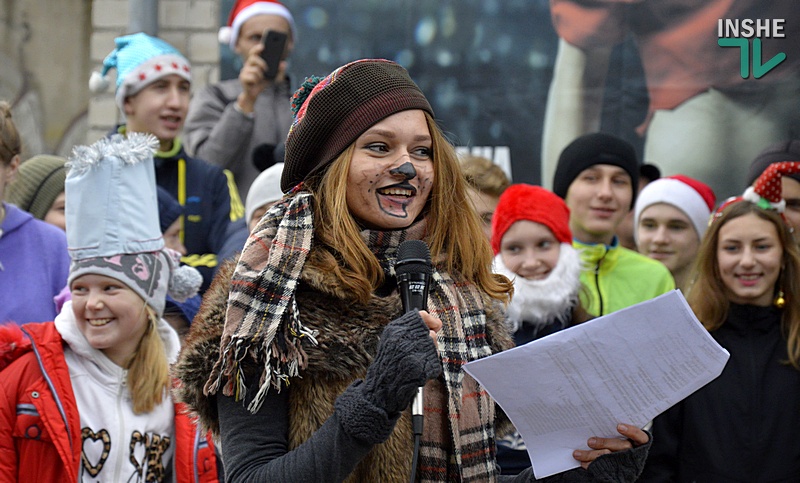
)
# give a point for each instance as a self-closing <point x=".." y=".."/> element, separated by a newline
<point x="332" y="112"/>
<point x="532" y="203"/>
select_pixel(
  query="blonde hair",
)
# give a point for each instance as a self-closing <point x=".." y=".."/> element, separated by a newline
<point x="708" y="295"/>
<point x="345" y="254"/>
<point x="10" y="144"/>
<point x="484" y="176"/>
<point x="148" y="369"/>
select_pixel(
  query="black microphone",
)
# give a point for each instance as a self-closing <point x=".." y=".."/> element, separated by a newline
<point x="413" y="270"/>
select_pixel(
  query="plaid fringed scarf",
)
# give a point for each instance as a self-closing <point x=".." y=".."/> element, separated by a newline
<point x="263" y="325"/>
<point x="458" y="441"/>
<point x="261" y="322"/>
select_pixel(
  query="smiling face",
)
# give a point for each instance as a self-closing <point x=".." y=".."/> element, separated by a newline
<point x="160" y="109"/>
<point x="530" y="250"/>
<point x="750" y="255"/>
<point x="391" y="171"/>
<point x="666" y="234"/>
<point x="110" y="315"/>
<point x="598" y="199"/>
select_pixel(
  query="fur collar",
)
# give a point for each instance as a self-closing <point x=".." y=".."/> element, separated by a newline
<point x="541" y="302"/>
<point x="344" y="349"/>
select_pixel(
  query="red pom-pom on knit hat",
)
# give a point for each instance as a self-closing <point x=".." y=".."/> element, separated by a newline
<point x="531" y="203"/>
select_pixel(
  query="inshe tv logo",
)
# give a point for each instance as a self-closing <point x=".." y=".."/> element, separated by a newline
<point x="738" y="32"/>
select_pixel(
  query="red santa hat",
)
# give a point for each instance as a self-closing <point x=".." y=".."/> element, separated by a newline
<point x="243" y="10"/>
<point x="532" y="203"/>
<point x="694" y="198"/>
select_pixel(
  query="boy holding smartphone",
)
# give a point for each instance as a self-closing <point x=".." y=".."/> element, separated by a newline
<point x="241" y="124"/>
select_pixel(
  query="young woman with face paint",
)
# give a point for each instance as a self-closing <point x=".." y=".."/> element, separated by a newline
<point x="304" y="363"/>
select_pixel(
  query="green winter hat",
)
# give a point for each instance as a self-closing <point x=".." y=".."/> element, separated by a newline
<point x="38" y="183"/>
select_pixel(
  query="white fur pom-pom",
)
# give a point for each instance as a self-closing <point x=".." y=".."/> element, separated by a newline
<point x="184" y="283"/>
<point x="98" y="82"/>
<point x="224" y="35"/>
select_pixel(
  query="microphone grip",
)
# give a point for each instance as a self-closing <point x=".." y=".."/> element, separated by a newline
<point x="416" y="406"/>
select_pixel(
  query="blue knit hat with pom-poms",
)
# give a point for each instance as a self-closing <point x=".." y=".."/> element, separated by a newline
<point x="140" y="60"/>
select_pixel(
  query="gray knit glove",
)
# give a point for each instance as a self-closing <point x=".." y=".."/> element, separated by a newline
<point x="406" y="360"/>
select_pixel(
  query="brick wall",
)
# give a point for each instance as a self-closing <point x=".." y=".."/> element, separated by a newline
<point x="189" y="25"/>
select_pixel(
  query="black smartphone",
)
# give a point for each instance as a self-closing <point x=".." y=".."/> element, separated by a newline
<point x="274" y="47"/>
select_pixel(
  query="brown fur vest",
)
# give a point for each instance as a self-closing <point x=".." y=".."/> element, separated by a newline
<point x="347" y="342"/>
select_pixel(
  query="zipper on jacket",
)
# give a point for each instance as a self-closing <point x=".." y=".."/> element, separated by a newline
<point x="121" y="456"/>
<point x="597" y="283"/>
<point x="50" y="384"/>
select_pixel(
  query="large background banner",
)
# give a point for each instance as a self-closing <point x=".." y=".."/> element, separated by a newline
<point x="650" y="71"/>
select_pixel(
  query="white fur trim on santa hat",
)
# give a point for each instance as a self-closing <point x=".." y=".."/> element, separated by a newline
<point x="678" y="194"/>
<point x="258" y="8"/>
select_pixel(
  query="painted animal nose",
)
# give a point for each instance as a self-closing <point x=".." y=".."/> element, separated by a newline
<point x="406" y="170"/>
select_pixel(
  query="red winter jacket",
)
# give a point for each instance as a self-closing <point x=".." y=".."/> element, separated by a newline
<point x="40" y="433"/>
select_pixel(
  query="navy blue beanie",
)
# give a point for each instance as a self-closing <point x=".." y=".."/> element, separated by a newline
<point x="589" y="150"/>
<point x="168" y="208"/>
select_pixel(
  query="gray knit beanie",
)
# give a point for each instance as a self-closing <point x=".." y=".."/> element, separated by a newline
<point x="39" y="182"/>
<point x="774" y="153"/>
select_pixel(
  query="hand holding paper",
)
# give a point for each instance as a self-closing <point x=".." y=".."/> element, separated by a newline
<point x="628" y="366"/>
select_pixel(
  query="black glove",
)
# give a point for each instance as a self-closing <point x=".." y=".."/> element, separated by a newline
<point x="406" y="359"/>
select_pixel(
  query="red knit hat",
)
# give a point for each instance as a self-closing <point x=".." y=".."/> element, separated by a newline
<point x="532" y="203"/>
<point x="243" y="10"/>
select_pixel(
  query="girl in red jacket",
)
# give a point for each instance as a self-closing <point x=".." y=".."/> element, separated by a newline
<point x="87" y="396"/>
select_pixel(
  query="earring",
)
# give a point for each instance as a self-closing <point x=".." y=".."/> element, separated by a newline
<point x="779" y="300"/>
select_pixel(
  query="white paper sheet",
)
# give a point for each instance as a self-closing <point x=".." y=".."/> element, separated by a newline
<point x="625" y="367"/>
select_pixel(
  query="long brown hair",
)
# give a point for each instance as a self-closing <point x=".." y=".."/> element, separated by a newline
<point x="464" y="244"/>
<point x="708" y="296"/>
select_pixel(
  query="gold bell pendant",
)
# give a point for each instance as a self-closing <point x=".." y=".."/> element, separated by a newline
<point x="779" y="300"/>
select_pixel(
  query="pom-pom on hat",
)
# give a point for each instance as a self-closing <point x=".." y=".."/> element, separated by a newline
<point x="331" y="112"/>
<point x="532" y="203"/>
<point x="39" y="182"/>
<point x="589" y="150"/>
<point x="139" y="60"/>
<point x="694" y="198"/>
<point x="266" y="188"/>
<point x="112" y="220"/>
<point x="243" y="10"/>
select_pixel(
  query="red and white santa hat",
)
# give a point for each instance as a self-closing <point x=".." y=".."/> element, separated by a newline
<point x="243" y="10"/>
<point x="532" y="203"/>
<point x="695" y="198"/>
